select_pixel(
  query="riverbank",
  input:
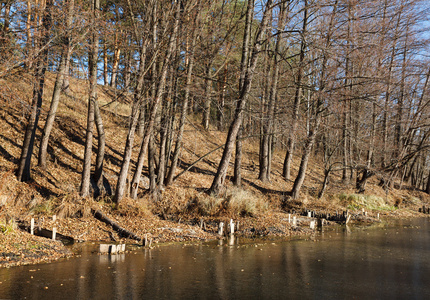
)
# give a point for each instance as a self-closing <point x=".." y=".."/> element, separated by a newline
<point x="18" y="247"/>
<point x="182" y="211"/>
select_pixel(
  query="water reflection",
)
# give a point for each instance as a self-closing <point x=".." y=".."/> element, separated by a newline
<point x="345" y="263"/>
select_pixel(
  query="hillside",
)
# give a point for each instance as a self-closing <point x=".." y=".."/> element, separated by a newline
<point x="257" y="205"/>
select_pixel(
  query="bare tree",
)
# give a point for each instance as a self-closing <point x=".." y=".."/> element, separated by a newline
<point x="42" y="41"/>
<point x="92" y="67"/>
<point x="247" y="73"/>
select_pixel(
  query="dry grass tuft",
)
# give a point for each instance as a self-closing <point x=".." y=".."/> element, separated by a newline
<point x="235" y="201"/>
<point x="132" y="208"/>
<point x="245" y="203"/>
<point x="357" y="201"/>
<point x="72" y="205"/>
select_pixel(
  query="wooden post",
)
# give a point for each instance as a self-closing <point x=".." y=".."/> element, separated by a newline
<point x="289" y="218"/>
<point x="378" y="216"/>
<point x="294" y="221"/>
<point x="32" y="226"/>
<point x="312" y="225"/>
<point x="309" y="214"/>
<point x="104" y="248"/>
<point x="221" y="227"/>
<point x="54" y="218"/>
<point x="54" y="233"/>
<point x="231" y="227"/>
<point x="347" y="218"/>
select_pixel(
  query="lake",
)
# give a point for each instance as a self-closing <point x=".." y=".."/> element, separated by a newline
<point x="374" y="262"/>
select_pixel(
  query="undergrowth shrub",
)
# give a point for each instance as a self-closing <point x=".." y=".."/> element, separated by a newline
<point x="235" y="201"/>
<point x="356" y="201"/>
<point x="71" y="205"/>
<point x="244" y="202"/>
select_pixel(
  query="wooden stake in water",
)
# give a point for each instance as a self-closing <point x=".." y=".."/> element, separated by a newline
<point x="32" y="226"/>
<point x="104" y="248"/>
<point x="54" y="233"/>
<point x="319" y="223"/>
<point x="221" y="228"/>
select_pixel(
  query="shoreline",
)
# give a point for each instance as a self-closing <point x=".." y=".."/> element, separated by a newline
<point x="18" y="247"/>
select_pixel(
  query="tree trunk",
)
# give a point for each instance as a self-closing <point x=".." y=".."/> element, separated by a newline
<point x="98" y="174"/>
<point x="115" y="65"/>
<point x="307" y="150"/>
<point x="265" y="102"/>
<point x="163" y="146"/>
<point x="208" y="100"/>
<point x="160" y="90"/>
<point x="105" y="63"/>
<point x="24" y="167"/>
<point x="59" y="81"/>
<point x="135" y="111"/>
<point x="361" y="182"/>
<point x="246" y="80"/>
<point x="325" y="183"/>
<point x="52" y="111"/>
<point x="286" y="172"/>
<point x="92" y="66"/>
<point x="238" y="160"/>
<point x="151" y="168"/>
<point x="66" y="84"/>
<point x="184" y="111"/>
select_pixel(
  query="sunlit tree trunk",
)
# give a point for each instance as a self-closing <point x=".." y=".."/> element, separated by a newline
<point x="297" y="99"/>
<point x="247" y="73"/>
<point x="310" y="140"/>
<point x="57" y="88"/>
<point x="92" y="66"/>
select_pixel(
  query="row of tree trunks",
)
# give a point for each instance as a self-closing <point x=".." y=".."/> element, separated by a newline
<point x="312" y="134"/>
<point x="247" y="73"/>
<point x="190" y="55"/>
<point x="157" y="98"/>
<point x="272" y="93"/>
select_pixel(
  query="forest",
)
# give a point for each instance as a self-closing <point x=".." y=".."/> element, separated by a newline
<point x="338" y="84"/>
